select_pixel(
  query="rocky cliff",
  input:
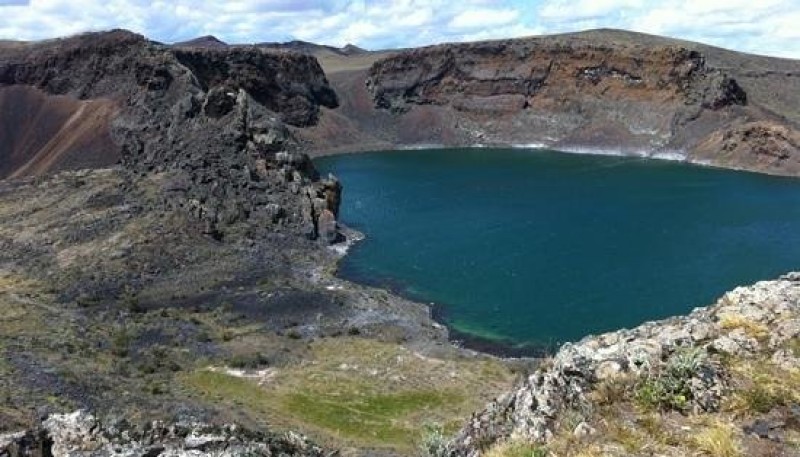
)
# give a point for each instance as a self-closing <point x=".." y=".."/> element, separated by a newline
<point x="600" y="90"/>
<point x="736" y="360"/>
<point x="212" y="121"/>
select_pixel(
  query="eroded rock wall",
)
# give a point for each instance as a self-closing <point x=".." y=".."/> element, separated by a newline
<point x="572" y="93"/>
<point x="603" y="90"/>
<point x="213" y="122"/>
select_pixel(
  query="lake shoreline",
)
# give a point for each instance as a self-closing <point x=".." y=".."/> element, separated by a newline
<point x="508" y="347"/>
<point x="459" y="339"/>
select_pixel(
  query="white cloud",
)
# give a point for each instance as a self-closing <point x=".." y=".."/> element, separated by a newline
<point x="763" y="26"/>
<point x="483" y="18"/>
<point x="745" y="25"/>
<point x="577" y="10"/>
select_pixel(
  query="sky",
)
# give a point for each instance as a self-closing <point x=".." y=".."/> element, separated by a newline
<point x="770" y="27"/>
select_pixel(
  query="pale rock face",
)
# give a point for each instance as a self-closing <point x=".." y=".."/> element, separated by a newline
<point x="583" y="429"/>
<point x="783" y="331"/>
<point x="608" y="369"/>
<point x="81" y="434"/>
<point x="531" y="411"/>
<point x="786" y="360"/>
<point x="73" y="432"/>
<point x="727" y="345"/>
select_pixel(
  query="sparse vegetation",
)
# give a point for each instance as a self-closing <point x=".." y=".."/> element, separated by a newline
<point x="793" y="345"/>
<point x="761" y="386"/>
<point x="718" y="439"/>
<point x="360" y="392"/>
<point x="752" y="329"/>
<point x="669" y="388"/>
<point x="434" y="442"/>
<point x="516" y="449"/>
<point x="120" y="342"/>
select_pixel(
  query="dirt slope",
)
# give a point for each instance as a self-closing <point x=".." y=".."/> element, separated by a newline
<point x="41" y="132"/>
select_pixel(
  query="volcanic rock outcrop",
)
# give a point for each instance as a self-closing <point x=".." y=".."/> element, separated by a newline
<point x="572" y="94"/>
<point x="752" y="321"/>
<point x="212" y="121"/>
<point x="81" y="434"/>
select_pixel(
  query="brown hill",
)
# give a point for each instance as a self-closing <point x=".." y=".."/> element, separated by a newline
<point x="41" y="132"/>
<point x="208" y="41"/>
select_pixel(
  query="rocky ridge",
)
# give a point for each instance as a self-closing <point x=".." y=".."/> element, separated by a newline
<point x="562" y="94"/>
<point x="600" y="90"/>
<point x="212" y="121"/>
<point x="81" y="434"/>
<point x="751" y="321"/>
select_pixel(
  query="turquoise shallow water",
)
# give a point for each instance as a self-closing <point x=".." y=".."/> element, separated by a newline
<point x="532" y="248"/>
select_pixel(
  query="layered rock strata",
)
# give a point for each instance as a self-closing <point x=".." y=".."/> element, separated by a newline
<point x="600" y="91"/>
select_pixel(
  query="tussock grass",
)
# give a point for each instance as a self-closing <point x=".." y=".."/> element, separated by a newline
<point x="753" y="329"/>
<point x="718" y="439"/>
<point x="613" y="391"/>
<point x="516" y="449"/>
<point x="761" y="386"/>
<point x="628" y="437"/>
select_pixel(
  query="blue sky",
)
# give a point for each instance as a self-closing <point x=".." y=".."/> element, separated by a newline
<point x="762" y="26"/>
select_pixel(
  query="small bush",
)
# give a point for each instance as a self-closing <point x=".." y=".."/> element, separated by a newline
<point x="793" y="345"/>
<point x="434" y="442"/>
<point x="157" y="359"/>
<point x="155" y="388"/>
<point x="670" y="389"/>
<point x="120" y="343"/>
<point x="131" y="303"/>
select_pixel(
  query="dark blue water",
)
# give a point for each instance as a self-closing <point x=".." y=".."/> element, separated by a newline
<point x="534" y="247"/>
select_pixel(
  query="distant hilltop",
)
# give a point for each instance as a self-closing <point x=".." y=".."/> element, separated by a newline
<point x="629" y="92"/>
<point x="210" y="41"/>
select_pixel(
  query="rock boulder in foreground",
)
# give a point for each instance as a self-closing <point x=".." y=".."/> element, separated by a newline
<point x="756" y="322"/>
<point x="80" y="434"/>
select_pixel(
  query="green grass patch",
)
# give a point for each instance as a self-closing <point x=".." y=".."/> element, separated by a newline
<point x="516" y="449"/>
<point x="220" y="386"/>
<point x="357" y="392"/>
<point x="383" y="418"/>
<point x="346" y="413"/>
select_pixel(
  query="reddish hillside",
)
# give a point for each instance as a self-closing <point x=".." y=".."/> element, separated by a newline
<point x="41" y="132"/>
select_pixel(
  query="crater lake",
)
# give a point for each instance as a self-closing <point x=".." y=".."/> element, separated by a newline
<point x="524" y="249"/>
